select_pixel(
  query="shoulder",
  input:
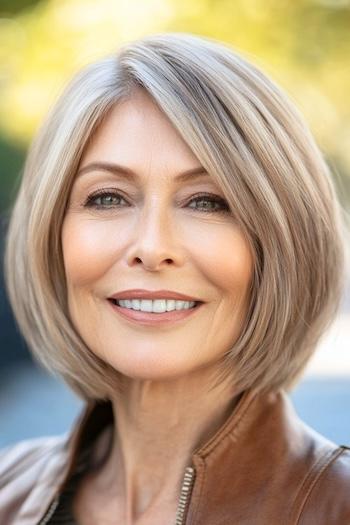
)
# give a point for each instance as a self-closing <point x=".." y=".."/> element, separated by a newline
<point x="328" y="494"/>
<point x="27" y="454"/>
<point x="323" y="471"/>
<point x="314" y="470"/>
<point x="23" y="467"/>
<point x="338" y="469"/>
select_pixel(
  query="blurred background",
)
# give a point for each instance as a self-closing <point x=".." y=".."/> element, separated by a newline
<point x="303" y="44"/>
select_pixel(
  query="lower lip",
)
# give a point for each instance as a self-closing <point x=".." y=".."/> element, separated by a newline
<point x="152" y="319"/>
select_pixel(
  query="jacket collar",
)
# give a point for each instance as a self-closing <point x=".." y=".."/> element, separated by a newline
<point x="262" y="450"/>
<point x="96" y="415"/>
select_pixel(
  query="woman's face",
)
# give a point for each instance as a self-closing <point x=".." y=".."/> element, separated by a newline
<point x="154" y="227"/>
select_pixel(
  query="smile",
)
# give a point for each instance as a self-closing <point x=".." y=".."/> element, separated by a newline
<point x="154" y="312"/>
<point x="155" y="305"/>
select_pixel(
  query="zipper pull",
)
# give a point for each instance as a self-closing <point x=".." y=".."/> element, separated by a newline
<point x="185" y="494"/>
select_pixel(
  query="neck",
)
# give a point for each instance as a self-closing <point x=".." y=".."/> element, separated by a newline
<point x="157" y="427"/>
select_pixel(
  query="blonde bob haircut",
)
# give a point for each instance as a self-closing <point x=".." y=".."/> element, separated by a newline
<point x="248" y="135"/>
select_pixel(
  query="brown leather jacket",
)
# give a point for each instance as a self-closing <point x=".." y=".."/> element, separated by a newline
<point x="264" y="466"/>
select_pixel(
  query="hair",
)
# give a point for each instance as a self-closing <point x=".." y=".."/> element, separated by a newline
<point x="249" y="136"/>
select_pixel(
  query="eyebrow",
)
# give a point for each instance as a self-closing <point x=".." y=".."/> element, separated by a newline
<point x="127" y="172"/>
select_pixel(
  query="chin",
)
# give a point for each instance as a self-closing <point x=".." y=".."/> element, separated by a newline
<point x="155" y="370"/>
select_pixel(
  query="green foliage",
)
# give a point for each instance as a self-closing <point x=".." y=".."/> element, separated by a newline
<point x="303" y="44"/>
<point x="11" y="7"/>
<point x="11" y="163"/>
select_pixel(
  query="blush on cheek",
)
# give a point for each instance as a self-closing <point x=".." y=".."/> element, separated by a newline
<point x="87" y="249"/>
<point x="225" y="258"/>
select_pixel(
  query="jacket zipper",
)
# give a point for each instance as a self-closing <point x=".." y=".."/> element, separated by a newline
<point x="50" y="511"/>
<point x="185" y="494"/>
<point x="184" y="499"/>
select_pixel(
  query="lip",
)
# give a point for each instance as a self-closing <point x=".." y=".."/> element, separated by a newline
<point x="154" y="319"/>
<point x="139" y="293"/>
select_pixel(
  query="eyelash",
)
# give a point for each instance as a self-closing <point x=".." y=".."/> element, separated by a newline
<point x="89" y="203"/>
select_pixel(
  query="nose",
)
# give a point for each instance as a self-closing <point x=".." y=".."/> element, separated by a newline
<point x="155" y="245"/>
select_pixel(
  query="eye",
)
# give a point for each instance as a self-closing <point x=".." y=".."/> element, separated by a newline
<point x="104" y="199"/>
<point x="209" y="203"/>
<point x="110" y="198"/>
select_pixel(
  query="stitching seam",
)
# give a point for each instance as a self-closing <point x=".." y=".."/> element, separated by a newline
<point x="317" y="473"/>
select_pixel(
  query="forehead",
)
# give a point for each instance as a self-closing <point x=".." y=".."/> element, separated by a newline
<point x="137" y="133"/>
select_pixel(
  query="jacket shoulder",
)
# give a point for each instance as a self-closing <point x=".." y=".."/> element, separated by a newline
<point x="22" y="468"/>
<point x="27" y="454"/>
<point x="328" y="496"/>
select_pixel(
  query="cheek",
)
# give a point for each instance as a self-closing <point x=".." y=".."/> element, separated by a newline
<point x="225" y="259"/>
<point x="88" y="248"/>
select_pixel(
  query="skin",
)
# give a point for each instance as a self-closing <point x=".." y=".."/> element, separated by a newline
<point x="155" y="237"/>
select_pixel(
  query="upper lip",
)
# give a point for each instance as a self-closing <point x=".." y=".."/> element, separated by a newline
<point x="152" y="294"/>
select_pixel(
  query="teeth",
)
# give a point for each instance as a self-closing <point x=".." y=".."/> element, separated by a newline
<point x="155" y="306"/>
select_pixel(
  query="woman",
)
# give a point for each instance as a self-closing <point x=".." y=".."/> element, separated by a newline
<point x="172" y="210"/>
